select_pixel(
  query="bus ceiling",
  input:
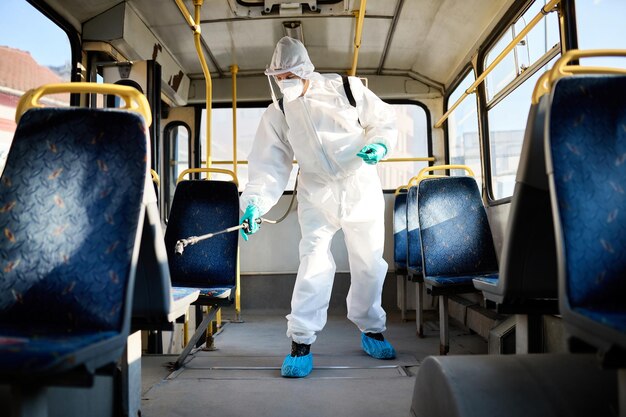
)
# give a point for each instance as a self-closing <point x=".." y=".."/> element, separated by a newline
<point x="405" y="38"/>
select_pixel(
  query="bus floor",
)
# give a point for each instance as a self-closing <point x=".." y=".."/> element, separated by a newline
<point x="242" y="376"/>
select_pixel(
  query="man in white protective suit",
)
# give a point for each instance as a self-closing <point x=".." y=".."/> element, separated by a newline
<point x="337" y="134"/>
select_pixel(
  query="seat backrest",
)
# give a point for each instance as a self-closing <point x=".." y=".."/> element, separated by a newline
<point x="413" y="245"/>
<point x="528" y="259"/>
<point x="200" y="207"/>
<point x="454" y="230"/>
<point x="71" y="196"/>
<point x="152" y="296"/>
<point x="399" y="230"/>
<point x="586" y="160"/>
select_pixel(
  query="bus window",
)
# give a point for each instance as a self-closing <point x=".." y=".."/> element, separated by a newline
<point x="543" y="37"/>
<point x="464" y="144"/>
<point x="608" y="15"/>
<point x="412" y="142"/>
<point x="509" y="89"/>
<point x="28" y="59"/>
<point x="248" y="119"/>
<point x="178" y="143"/>
<point x="507" y="123"/>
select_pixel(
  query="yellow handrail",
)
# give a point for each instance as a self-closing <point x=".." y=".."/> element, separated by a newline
<point x="194" y="23"/>
<point x="541" y="87"/>
<point x="416" y="179"/>
<point x="234" y="69"/>
<point x="207" y="170"/>
<point x="422" y="173"/>
<point x="155" y="178"/>
<point x="549" y="7"/>
<point x="400" y="188"/>
<point x="358" y="32"/>
<point x="134" y="100"/>
<point x="561" y="68"/>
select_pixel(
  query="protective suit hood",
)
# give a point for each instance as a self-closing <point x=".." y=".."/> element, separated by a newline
<point x="290" y="55"/>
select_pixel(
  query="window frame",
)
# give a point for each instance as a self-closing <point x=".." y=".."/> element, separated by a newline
<point x="449" y="91"/>
<point x="511" y="17"/>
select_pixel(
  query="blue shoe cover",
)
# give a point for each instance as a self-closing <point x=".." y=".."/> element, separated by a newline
<point x="297" y="366"/>
<point x="379" y="349"/>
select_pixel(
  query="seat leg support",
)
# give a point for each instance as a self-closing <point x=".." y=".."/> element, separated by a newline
<point x="196" y="336"/>
<point x="419" y="308"/>
<point x="402" y="280"/>
<point x="444" y="334"/>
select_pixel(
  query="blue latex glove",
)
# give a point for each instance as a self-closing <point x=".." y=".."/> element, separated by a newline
<point x="373" y="153"/>
<point x="252" y="217"/>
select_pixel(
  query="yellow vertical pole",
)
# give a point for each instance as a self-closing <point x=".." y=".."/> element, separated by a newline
<point x="238" y="291"/>
<point x="207" y="78"/>
<point x="186" y="329"/>
<point x="194" y="23"/>
<point x="234" y="69"/>
<point x="358" y="32"/>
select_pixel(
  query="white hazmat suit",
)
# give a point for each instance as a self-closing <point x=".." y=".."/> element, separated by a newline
<point x="336" y="189"/>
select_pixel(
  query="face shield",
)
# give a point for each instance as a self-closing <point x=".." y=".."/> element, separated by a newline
<point x="271" y="81"/>
<point x="290" y="55"/>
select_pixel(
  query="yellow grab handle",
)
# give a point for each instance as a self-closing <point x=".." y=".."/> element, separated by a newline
<point x="413" y="181"/>
<point x="155" y="177"/>
<point x="562" y="69"/>
<point x="216" y="170"/>
<point x="134" y="100"/>
<point x="401" y="188"/>
<point x="423" y="172"/>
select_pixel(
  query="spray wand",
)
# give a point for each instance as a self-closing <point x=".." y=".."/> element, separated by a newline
<point x="192" y="240"/>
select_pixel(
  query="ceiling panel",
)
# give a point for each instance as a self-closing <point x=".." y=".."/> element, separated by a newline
<point x="450" y="38"/>
<point x="432" y="37"/>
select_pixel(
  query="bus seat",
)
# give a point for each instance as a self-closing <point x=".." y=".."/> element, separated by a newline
<point x="548" y="385"/>
<point x="71" y="196"/>
<point x="156" y="304"/>
<point x="456" y="239"/>
<point x="585" y="156"/>
<point x="414" y="257"/>
<point x="584" y="150"/>
<point x="527" y="284"/>
<point x="399" y="247"/>
<point x="200" y="207"/>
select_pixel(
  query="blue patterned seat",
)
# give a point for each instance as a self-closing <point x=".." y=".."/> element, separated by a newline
<point x="586" y="159"/>
<point x="457" y="245"/>
<point x="70" y="205"/>
<point x="200" y="207"/>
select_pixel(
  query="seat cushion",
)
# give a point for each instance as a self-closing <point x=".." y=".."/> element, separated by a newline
<point x="25" y="350"/>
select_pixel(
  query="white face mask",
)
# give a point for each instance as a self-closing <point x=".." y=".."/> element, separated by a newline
<point x="291" y="88"/>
